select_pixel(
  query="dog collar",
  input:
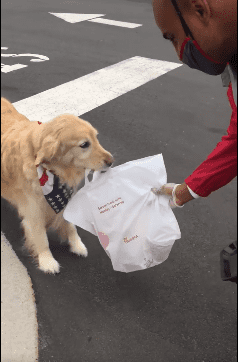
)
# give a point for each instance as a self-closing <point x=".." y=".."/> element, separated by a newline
<point x="56" y="194"/>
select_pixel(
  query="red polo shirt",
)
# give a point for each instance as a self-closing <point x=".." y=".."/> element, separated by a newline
<point x="220" y="167"/>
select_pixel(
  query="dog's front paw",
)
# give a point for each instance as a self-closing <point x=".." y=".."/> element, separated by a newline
<point x="77" y="247"/>
<point x="47" y="263"/>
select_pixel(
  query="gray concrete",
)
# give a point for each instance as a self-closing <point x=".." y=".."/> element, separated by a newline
<point x="19" y="342"/>
<point x="177" y="311"/>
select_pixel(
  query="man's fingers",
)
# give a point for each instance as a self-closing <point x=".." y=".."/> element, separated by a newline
<point x="159" y="191"/>
<point x="166" y="189"/>
<point x="162" y="191"/>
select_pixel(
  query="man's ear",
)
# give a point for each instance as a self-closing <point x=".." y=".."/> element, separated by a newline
<point x="48" y="150"/>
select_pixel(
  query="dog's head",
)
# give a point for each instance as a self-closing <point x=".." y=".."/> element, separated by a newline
<point x="67" y="146"/>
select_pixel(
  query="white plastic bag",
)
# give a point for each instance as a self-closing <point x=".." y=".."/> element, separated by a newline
<point x="136" y="228"/>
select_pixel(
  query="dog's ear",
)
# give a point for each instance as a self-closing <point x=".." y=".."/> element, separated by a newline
<point x="49" y="149"/>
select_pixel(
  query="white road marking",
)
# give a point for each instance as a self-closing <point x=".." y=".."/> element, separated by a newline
<point x="115" y="23"/>
<point x="10" y="68"/>
<point x="76" y="18"/>
<point x="92" y="90"/>
<point x="41" y="58"/>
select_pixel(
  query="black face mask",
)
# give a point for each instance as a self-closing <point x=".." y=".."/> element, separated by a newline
<point x="191" y="53"/>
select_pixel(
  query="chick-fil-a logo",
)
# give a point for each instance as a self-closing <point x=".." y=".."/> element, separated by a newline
<point x="126" y="240"/>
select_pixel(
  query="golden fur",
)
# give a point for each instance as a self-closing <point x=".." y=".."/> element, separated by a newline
<point x="56" y="146"/>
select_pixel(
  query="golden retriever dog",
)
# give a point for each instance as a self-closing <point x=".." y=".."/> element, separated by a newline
<point x="65" y="146"/>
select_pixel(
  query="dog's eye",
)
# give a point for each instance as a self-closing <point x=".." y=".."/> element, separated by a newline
<point x="85" y="145"/>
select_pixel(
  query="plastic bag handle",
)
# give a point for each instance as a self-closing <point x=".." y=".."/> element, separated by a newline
<point x="87" y="171"/>
<point x="95" y="175"/>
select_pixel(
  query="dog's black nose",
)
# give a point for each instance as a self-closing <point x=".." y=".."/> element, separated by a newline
<point x="108" y="163"/>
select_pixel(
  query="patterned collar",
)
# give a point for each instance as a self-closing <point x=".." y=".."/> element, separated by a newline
<point x="56" y="194"/>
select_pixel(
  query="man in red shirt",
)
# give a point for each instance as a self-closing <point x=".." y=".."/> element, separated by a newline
<point x="204" y="35"/>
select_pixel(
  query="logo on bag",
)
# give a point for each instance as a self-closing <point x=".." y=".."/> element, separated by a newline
<point x="126" y="240"/>
<point x="110" y="205"/>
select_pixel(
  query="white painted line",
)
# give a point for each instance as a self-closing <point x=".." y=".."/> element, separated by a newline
<point x="92" y="90"/>
<point x="41" y="58"/>
<point x="75" y="18"/>
<point x="115" y="23"/>
<point x="10" y="68"/>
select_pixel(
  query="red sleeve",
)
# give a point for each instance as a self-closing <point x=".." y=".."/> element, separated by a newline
<point x="220" y="167"/>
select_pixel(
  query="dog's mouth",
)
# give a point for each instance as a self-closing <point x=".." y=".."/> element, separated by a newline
<point x="101" y="169"/>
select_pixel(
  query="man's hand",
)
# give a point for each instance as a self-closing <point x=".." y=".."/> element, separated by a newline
<point x="182" y="194"/>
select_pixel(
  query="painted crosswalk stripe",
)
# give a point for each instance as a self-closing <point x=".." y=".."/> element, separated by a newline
<point x="75" y="18"/>
<point x="115" y="23"/>
<point x="84" y="94"/>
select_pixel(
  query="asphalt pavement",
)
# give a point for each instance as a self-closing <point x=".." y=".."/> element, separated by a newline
<point x="178" y="311"/>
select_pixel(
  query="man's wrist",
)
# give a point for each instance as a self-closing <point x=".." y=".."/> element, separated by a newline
<point x="182" y="194"/>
